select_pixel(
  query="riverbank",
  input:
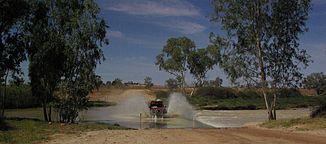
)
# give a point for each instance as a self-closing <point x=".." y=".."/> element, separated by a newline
<point x="17" y="130"/>
<point x="299" y="124"/>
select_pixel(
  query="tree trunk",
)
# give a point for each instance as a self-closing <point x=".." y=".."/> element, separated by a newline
<point x="49" y="114"/>
<point x="4" y="95"/>
<point x="183" y="84"/>
<point x="44" y="111"/>
<point x="268" y="108"/>
<point x="274" y="107"/>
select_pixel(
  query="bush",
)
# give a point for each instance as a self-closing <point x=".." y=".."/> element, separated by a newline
<point x="20" y="97"/>
<point x="228" y="99"/>
<point x="319" y="112"/>
<point x="249" y="94"/>
<point x="289" y="92"/>
<point x="216" y="93"/>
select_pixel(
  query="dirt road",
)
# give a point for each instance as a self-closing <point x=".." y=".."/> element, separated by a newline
<point x="118" y="95"/>
<point x="189" y="136"/>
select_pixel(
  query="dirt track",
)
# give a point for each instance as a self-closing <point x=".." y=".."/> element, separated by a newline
<point x="189" y="136"/>
<point x="247" y="135"/>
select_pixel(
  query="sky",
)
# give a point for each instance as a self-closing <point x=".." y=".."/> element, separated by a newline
<point x="138" y="30"/>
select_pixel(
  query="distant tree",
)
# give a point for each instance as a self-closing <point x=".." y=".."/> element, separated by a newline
<point x="117" y="82"/>
<point x="316" y="81"/>
<point x="261" y="42"/>
<point x="148" y="82"/>
<point x="199" y="63"/>
<point x="13" y="17"/>
<point x="214" y="83"/>
<point x="172" y="84"/>
<point x="174" y="57"/>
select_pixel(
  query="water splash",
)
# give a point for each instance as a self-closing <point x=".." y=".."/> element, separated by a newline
<point x="179" y="105"/>
<point x="132" y="106"/>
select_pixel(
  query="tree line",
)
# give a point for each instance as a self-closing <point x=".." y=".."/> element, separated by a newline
<point x="62" y="42"/>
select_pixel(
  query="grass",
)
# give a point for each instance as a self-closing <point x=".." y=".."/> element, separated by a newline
<point x="241" y="103"/>
<point x="34" y="131"/>
<point x="298" y="124"/>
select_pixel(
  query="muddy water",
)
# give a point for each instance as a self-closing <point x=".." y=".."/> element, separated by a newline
<point x="203" y="118"/>
<point x="180" y="115"/>
<point x="238" y="118"/>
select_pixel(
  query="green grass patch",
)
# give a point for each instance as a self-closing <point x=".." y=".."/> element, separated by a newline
<point x="298" y="124"/>
<point x="219" y="98"/>
<point x="100" y="104"/>
<point x="241" y="103"/>
<point x="33" y="131"/>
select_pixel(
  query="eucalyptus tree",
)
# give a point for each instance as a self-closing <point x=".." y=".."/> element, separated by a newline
<point x="12" y="42"/>
<point x="65" y="47"/>
<point x="174" y="57"/>
<point x="260" y="42"/>
<point x="199" y="63"/>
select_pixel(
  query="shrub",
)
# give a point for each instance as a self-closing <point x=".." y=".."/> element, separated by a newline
<point x="216" y="93"/>
<point x="319" y="112"/>
<point x="20" y="97"/>
<point x="249" y="94"/>
<point x="289" y="92"/>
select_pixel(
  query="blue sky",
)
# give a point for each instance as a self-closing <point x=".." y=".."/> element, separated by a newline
<point x="139" y="29"/>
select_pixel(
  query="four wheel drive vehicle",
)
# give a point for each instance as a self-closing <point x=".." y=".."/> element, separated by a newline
<point x="157" y="108"/>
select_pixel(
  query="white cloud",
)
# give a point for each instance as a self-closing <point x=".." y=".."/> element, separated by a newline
<point x="138" y="41"/>
<point x="155" y="8"/>
<point x="184" y="27"/>
<point x="115" y="33"/>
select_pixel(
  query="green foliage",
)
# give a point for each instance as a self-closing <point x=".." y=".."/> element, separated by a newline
<point x="20" y="97"/>
<point x="172" y="84"/>
<point x="117" y="83"/>
<point x="213" y="83"/>
<point x="13" y="15"/>
<point x="65" y="40"/>
<point x="316" y="81"/>
<point x="249" y="94"/>
<point x="288" y="92"/>
<point x="229" y="99"/>
<point x="216" y="93"/>
<point x="175" y="55"/>
<point x="148" y="82"/>
<point x="267" y="43"/>
<point x="199" y="63"/>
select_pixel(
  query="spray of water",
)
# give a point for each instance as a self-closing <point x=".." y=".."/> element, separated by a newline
<point x="178" y="105"/>
<point x="132" y="106"/>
